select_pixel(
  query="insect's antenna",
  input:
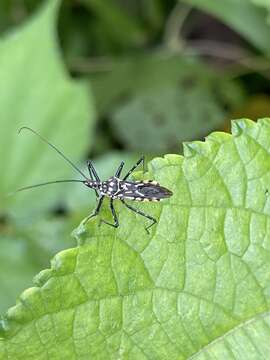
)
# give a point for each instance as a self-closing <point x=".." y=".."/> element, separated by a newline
<point x="54" y="147"/>
<point x="42" y="184"/>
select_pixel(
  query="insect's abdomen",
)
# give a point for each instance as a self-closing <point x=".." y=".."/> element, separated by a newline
<point x="157" y="192"/>
<point x="145" y="191"/>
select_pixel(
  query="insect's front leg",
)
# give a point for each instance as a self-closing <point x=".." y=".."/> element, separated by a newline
<point x="92" y="169"/>
<point x="141" y="160"/>
<point x="119" y="170"/>
<point x="91" y="177"/>
<point x="142" y="214"/>
<point x="95" y="213"/>
<point x="116" y="223"/>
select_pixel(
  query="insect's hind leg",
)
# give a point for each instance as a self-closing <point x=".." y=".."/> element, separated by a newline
<point x="141" y="160"/>
<point x="116" y="223"/>
<point x="95" y="213"/>
<point x="142" y="214"/>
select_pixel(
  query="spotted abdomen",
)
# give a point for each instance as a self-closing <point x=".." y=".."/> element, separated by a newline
<point x="147" y="190"/>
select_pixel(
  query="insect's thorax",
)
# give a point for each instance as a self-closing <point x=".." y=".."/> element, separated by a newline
<point x="116" y="188"/>
<point x="110" y="187"/>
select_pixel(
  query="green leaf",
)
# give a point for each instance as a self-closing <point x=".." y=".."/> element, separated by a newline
<point x="36" y="91"/>
<point x="249" y="340"/>
<point x="196" y="287"/>
<point x="265" y="4"/>
<point x="242" y="16"/>
<point x="116" y="22"/>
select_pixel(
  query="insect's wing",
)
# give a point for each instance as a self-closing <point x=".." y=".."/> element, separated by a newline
<point x="152" y="191"/>
<point x="145" y="190"/>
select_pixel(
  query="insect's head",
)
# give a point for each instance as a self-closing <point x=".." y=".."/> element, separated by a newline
<point x="91" y="183"/>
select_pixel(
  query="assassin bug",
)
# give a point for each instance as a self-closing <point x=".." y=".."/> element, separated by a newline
<point x="114" y="187"/>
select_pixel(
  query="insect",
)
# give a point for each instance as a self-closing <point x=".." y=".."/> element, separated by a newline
<point x="114" y="188"/>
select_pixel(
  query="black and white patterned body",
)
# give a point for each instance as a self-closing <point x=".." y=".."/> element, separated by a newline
<point x="147" y="190"/>
<point x="116" y="188"/>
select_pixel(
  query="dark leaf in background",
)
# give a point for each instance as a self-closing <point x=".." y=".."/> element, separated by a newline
<point x="243" y="16"/>
<point x="128" y="77"/>
<point x="160" y="101"/>
<point x="161" y="119"/>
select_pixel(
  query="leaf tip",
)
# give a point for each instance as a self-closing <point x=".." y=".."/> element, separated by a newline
<point x="239" y="126"/>
<point x="156" y="163"/>
<point x="80" y="233"/>
<point x="264" y="121"/>
<point x="173" y="159"/>
<point x="189" y="149"/>
<point x="17" y="314"/>
<point x="218" y="137"/>
<point x="65" y="261"/>
<point x="42" y="277"/>
<point x="4" y="328"/>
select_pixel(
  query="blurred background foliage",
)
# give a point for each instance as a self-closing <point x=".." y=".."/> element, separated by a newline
<point x="110" y="80"/>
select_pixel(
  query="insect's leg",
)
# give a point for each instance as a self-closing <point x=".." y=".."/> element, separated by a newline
<point x="91" y="177"/>
<point x="119" y="170"/>
<point x="142" y="214"/>
<point x="115" y="219"/>
<point x="141" y="160"/>
<point x="93" y="170"/>
<point x="100" y="200"/>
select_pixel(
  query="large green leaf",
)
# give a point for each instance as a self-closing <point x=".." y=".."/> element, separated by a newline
<point x="243" y="16"/>
<point x="197" y="287"/>
<point x="35" y="90"/>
